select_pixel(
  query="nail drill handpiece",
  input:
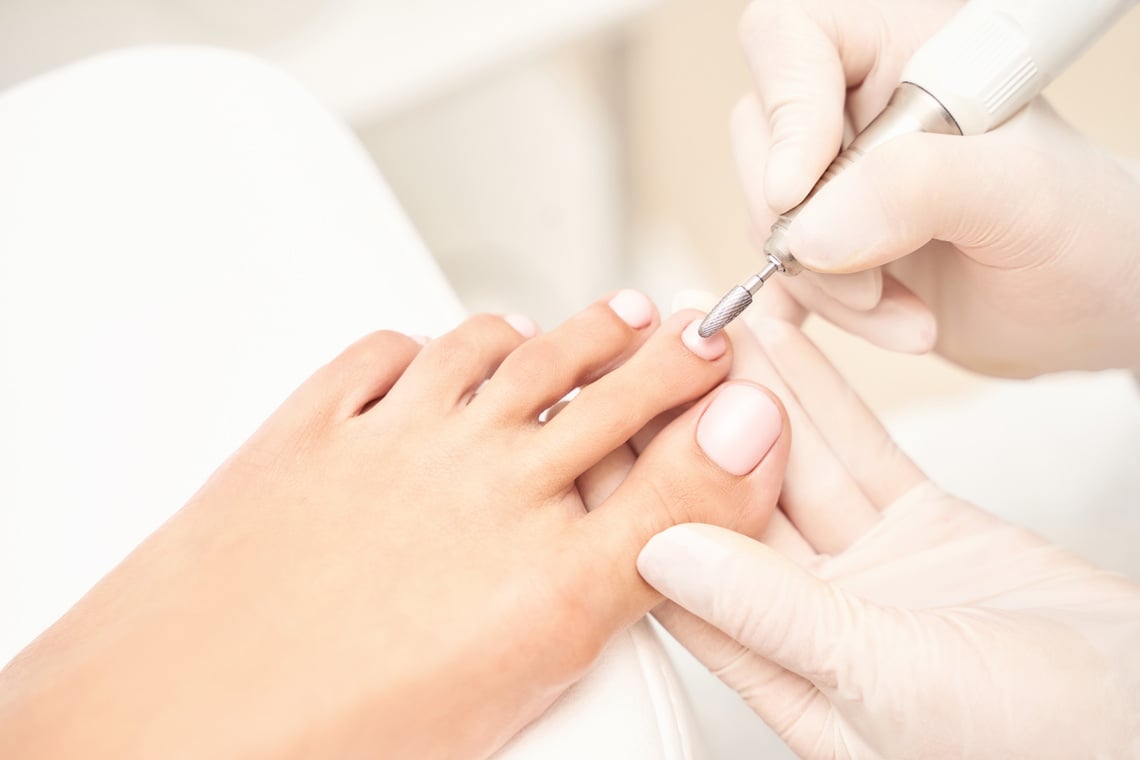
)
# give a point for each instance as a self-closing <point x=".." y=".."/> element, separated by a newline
<point x="986" y="64"/>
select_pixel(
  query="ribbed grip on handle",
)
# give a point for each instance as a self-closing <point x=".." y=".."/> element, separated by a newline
<point x="980" y="67"/>
<point x="1013" y="77"/>
<point x="995" y="56"/>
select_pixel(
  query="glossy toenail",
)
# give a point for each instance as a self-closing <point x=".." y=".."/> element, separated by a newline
<point x="525" y="325"/>
<point x="739" y="428"/>
<point x="709" y="348"/>
<point x="633" y="307"/>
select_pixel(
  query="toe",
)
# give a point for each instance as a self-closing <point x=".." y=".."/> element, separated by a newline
<point x="721" y="462"/>
<point x="581" y="349"/>
<point x="362" y="373"/>
<point x="713" y="463"/>
<point x="674" y="367"/>
<point x="450" y="369"/>
<point x="599" y="483"/>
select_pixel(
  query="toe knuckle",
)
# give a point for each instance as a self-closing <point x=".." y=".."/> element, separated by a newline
<point x="534" y="361"/>
<point x="628" y="418"/>
<point x="675" y="375"/>
<point x="377" y="347"/>
<point x="485" y="325"/>
<point x="676" y="499"/>
<point x="604" y="325"/>
<point x="453" y="351"/>
<point x="473" y="340"/>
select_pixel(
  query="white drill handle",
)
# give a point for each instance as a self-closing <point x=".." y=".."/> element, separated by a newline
<point x="996" y="55"/>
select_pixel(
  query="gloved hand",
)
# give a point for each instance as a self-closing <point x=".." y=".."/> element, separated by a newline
<point x="1021" y="243"/>
<point x="882" y="617"/>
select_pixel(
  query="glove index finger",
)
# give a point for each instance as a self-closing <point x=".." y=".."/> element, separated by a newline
<point x="766" y="602"/>
<point x="803" y="57"/>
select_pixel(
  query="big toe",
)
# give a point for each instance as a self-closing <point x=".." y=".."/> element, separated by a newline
<point x="721" y="462"/>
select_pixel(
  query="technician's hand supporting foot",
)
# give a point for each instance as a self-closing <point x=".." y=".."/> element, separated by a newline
<point x="882" y="617"/>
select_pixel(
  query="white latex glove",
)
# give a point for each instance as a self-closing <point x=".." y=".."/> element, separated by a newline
<point x="882" y="617"/>
<point x="1023" y="243"/>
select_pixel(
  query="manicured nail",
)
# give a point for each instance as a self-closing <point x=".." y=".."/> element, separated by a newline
<point x="525" y="325"/>
<point x="633" y="307"/>
<point x="710" y="348"/>
<point x="739" y="428"/>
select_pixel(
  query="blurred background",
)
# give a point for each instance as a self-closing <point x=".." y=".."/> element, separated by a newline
<point x="547" y="150"/>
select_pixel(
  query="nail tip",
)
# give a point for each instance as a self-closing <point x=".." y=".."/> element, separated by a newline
<point x="522" y="324"/>
<point x="633" y="307"/>
<point x="709" y="349"/>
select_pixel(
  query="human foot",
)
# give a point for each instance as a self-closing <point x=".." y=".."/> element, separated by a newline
<point x="399" y="560"/>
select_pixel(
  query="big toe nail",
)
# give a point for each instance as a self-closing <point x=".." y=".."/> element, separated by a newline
<point x="739" y="427"/>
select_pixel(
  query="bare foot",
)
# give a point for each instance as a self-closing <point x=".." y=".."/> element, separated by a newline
<point x="399" y="562"/>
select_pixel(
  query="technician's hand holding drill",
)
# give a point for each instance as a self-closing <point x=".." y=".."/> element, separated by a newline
<point x="883" y="618"/>
<point x="1014" y="252"/>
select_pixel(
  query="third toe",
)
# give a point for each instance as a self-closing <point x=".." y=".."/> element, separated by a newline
<point x="583" y="348"/>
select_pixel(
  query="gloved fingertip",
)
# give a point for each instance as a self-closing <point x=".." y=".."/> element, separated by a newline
<point x="786" y="180"/>
<point x="905" y="324"/>
<point x="922" y="333"/>
<point x="861" y="291"/>
<point x="672" y="561"/>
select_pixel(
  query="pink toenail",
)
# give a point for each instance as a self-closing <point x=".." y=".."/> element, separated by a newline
<point x="525" y="325"/>
<point x="710" y="348"/>
<point x="633" y="307"/>
<point x="739" y="427"/>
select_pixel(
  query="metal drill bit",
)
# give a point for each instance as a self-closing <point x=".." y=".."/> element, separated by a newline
<point x="736" y="301"/>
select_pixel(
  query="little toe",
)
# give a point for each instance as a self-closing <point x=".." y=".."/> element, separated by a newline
<point x="581" y="349"/>
<point x="450" y="369"/>
<point x="721" y="462"/>
<point x="673" y="368"/>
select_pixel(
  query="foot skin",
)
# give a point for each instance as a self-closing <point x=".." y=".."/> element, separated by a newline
<point x="400" y="560"/>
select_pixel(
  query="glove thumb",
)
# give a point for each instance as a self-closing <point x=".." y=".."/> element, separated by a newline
<point x="899" y="197"/>
<point x="770" y="605"/>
